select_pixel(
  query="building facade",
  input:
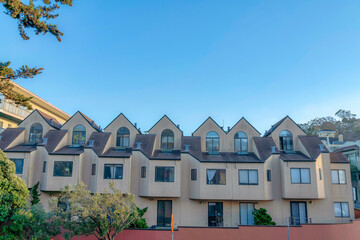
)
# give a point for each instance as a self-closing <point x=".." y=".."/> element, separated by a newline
<point x="11" y="114"/>
<point x="211" y="178"/>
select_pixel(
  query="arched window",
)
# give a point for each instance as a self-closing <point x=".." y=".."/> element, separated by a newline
<point x="36" y="131"/>
<point x="123" y="137"/>
<point x="79" y="135"/>
<point x="286" y="141"/>
<point x="167" y="140"/>
<point x="212" y="142"/>
<point x="241" y="142"/>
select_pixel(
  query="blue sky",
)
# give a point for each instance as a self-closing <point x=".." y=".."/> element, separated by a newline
<point x="260" y="60"/>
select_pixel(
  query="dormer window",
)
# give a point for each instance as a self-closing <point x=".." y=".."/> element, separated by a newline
<point x="167" y="140"/>
<point x="123" y="137"/>
<point x="212" y="142"/>
<point x="36" y="131"/>
<point x="79" y="135"/>
<point x="286" y="141"/>
<point x="241" y="143"/>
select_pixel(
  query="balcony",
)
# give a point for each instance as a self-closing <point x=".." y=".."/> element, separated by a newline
<point x="10" y="108"/>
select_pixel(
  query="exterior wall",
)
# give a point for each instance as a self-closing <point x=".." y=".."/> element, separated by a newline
<point x="245" y="127"/>
<point x="119" y="122"/>
<point x="163" y="124"/>
<point x="208" y="126"/>
<point x="34" y="118"/>
<point x="73" y="122"/>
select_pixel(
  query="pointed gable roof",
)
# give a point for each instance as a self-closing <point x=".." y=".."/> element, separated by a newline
<point x="8" y="136"/>
<point x="209" y="119"/>
<point x="165" y="117"/>
<point x="276" y="125"/>
<point x="48" y="119"/>
<point x="244" y="119"/>
<point x="122" y="115"/>
<point x="89" y="120"/>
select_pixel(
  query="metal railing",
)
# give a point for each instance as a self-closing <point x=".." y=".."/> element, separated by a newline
<point x="293" y="221"/>
<point x="10" y="107"/>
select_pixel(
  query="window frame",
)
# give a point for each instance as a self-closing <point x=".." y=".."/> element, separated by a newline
<point x="143" y="172"/>
<point x="38" y="133"/>
<point x="93" y="169"/>
<point x="240" y="140"/>
<point x="115" y="165"/>
<point x="338" y="176"/>
<point x="208" y="182"/>
<point x="165" y="167"/>
<point x="193" y="174"/>
<point x="247" y="213"/>
<point x="22" y="165"/>
<point x="79" y="133"/>
<point x="213" y="139"/>
<point x="341" y="209"/>
<point x="121" y="136"/>
<point x="166" y="136"/>
<point x="289" y="139"/>
<point x="44" y="166"/>
<point x="71" y="165"/>
<point x="248" y="174"/>
<point x="268" y="175"/>
<point x="291" y="179"/>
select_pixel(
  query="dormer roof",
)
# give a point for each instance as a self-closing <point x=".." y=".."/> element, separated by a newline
<point x="276" y="125"/>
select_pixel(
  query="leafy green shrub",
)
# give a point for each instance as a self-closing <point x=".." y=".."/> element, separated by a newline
<point x="141" y="221"/>
<point x="261" y="217"/>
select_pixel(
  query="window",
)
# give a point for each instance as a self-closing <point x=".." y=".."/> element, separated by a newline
<point x="298" y="213"/>
<point x="167" y="140"/>
<point x="63" y="169"/>
<point x="286" y="141"/>
<point x="44" y="166"/>
<point x="113" y="171"/>
<point x="300" y="175"/>
<point x="355" y="194"/>
<point x="19" y="163"/>
<point x="338" y="176"/>
<point x="164" y="174"/>
<point x="143" y="172"/>
<point x="123" y="137"/>
<point x="215" y="214"/>
<point x="93" y="169"/>
<point x="268" y="173"/>
<point x="246" y="214"/>
<point x="248" y="177"/>
<point x="212" y="142"/>
<point x="320" y="174"/>
<point x="164" y="211"/>
<point x="241" y="143"/>
<point x="193" y="174"/>
<point x="341" y="209"/>
<point x="36" y="131"/>
<point x="216" y="176"/>
<point x="79" y="135"/>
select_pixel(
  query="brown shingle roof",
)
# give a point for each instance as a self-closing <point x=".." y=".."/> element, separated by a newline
<point x="147" y="144"/>
<point x="338" y="157"/>
<point x="263" y="145"/>
<point x="91" y="122"/>
<point x="22" y="148"/>
<point x="8" y="136"/>
<point x="50" y="120"/>
<point x="100" y="139"/>
<point x="159" y="155"/>
<point x="194" y="143"/>
<point x="69" y="150"/>
<point x="113" y="152"/>
<point x="53" y="139"/>
<point x="296" y="156"/>
<point x="311" y="144"/>
<point x="347" y="148"/>
<point x="230" y="157"/>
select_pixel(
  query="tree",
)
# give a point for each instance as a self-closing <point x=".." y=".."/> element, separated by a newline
<point x="261" y="217"/>
<point x="141" y="221"/>
<point x="32" y="222"/>
<point x="34" y="16"/>
<point x="102" y="215"/>
<point x="35" y="194"/>
<point x="13" y="191"/>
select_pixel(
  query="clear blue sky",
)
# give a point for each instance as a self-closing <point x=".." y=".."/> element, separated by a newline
<point x="193" y="59"/>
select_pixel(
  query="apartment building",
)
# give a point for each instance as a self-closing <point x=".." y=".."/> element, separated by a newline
<point x="211" y="178"/>
<point x="11" y="114"/>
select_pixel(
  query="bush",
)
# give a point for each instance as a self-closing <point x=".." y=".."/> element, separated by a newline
<point x="261" y="217"/>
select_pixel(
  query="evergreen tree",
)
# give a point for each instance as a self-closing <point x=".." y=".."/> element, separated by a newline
<point x="261" y="217"/>
<point x="13" y="191"/>
<point x="35" y="194"/>
<point x="34" y="16"/>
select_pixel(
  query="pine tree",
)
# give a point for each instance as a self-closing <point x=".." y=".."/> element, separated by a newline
<point x="261" y="217"/>
<point x="35" y="194"/>
<point x="33" y="16"/>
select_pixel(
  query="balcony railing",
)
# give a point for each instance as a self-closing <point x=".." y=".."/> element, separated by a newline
<point x="10" y="107"/>
<point x="297" y="220"/>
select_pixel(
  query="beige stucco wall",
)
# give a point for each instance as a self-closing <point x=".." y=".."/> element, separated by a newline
<point x="208" y="126"/>
<point x="73" y="122"/>
<point x="34" y="117"/>
<point x="117" y="123"/>
<point x="245" y="127"/>
<point x="160" y="126"/>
